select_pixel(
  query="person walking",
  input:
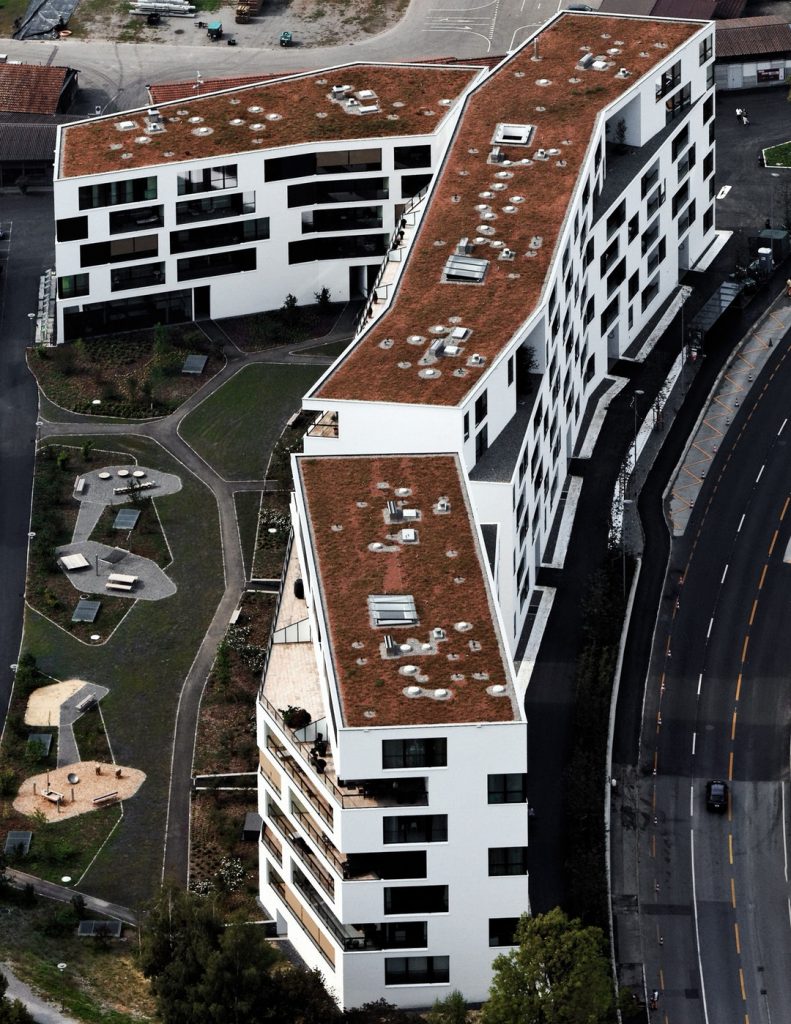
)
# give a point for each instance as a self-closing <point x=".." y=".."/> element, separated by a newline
<point x="745" y="120"/>
<point x="739" y="113"/>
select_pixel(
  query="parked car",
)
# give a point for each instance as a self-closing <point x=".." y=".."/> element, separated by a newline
<point x="286" y="39"/>
<point x="717" y="796"/>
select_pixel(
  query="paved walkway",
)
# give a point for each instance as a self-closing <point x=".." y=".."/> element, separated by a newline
<point x="41" y="1011"/>
<point x="165" y="431"/>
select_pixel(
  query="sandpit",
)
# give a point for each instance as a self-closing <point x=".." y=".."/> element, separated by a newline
<point x="90" y="786"/>
<point x="43" y="704"/>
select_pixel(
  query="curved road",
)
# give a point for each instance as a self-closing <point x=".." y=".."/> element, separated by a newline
<point x="714" y="889"/>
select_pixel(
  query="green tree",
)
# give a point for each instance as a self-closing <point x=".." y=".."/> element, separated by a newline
<point x="290" y="308"/>
<point x="12" y="1011"/>
<point x="236" y="985"/>
<point x="450" y="1010"/>
<point x="559" y="974"/>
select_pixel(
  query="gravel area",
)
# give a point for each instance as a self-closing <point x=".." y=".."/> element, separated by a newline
<point x="95" y="779"/>
<point x="43" y="704"/>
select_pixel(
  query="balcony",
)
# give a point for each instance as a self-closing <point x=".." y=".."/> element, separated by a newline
<point x="325" y="425"/>
<point x="300" y="778"/>
<point x="303" y="851"/>
<point x="269" y="772"/>
<point x="308" y="925"/>
<point x="321" y="840"/>
<point x="274" y="847"/>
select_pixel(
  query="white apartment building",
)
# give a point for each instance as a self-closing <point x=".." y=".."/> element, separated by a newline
<point x="223" y="204"/>
<point x="394" y="844"/>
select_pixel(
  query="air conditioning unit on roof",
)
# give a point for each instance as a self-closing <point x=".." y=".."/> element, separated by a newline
<point x="476" y="359"/>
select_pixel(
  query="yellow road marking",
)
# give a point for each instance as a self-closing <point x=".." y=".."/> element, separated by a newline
<point x="730" y="767"/>
<point x="661" y="979"/>
<point x="763" y="577"/>
<point x="744" y="649"/>
<point x="774" y="541"/>
<point x="738" y="686"/>
<point x="736" y="934"/>
<point x="741" y="985"/>
<point x="730" y="850"/>
<point x="752" y="613"/>
<point x="785" y="509"/>
<point x="733" y="903"/>
<point x="733" y="726"/>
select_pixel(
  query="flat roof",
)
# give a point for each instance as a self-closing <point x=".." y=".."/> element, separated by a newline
<point x="454" y="669"/>
<point x="501" y="205"/>
<point x="409" y="99"/>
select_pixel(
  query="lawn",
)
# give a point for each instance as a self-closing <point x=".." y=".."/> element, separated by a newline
<point x="778" y="156"/>
<point x="235" y="428"/>
<point x="274" y="527"/>
<point x="247" y="505"/>
<point x="144" y="665"/>
<point x="281" y="327"/>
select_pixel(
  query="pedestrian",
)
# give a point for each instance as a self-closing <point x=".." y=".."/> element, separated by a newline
<point x="739" y="113"/>
<point x="788" y="288"/>
<point x="745" y="120"/>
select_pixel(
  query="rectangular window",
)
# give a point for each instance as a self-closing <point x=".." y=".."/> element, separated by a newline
<point x="609" y="315"/>
<point x="207" y="179"/>
<point x="708" y="164"/>
<point x="417" y="970"/>
<point x="417" y="828"/>
<point x="412" y="184"/>
<point x="708" y="109"/>
<point x="686" y="163"/>
<point x="466" y="426"/>
<point x="649" y="237"/>
<point x="609" y="256"/>
<point x="668" y="80"/>
<point x="347" y="190"/>
<point x="710" y="76"/>
<point x="507" y="860"/>
<point x="616" y="218"/>
<point x="407" y="157"/>
<point x="304" y="165"/>
<point x="416" y="899"/>
<point x="679" y="142"/>
<point x="656" y="257"/>
<point x="705" y="49"/>
<point x="481" y="408"/>
<point x="708" y="220"/>
<point x="650" y="293"/>
<point x="71" y="229"/>
<point x="216" y="263"/>
<point x="114" y="193"/>
<point x="687" y="219"/>
<point x="648" y="180"/>
<point x="634" y="227"/>
<point x="392" y="935"/>
<point x="510" y="788"/>
<point x="634" y="284"/>
<point x="119" y="250"/>
<point x="358" y="218"/>
<point x="511" y="370"/>
<point x="213" y="207"/>
<point x="73" y="285"/>
<point x="481" y="442"/>
<point x="616" y="278"/>
<point x="235" y="232"/>
<point x="502" y="931"/>
<point x="141" y="218"/>
<point x="679" y="102"/>
<point x="415" y="753"/>
<point x="656" y="200"/>
<point x="139" y="276"/>
<point x="680" y="198"/>
<point x="337" y="247"/>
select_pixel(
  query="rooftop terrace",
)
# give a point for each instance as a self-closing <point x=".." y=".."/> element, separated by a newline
<point x="513" y="206"/>
<point x="395" y="544"/>
<point x="405" y="100"/>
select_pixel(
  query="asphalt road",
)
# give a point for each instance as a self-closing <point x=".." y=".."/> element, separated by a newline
<point x="714" y="889"/>
<point x="114" y="75"/>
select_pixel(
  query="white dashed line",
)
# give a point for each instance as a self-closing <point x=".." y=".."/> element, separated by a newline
<point x="694" y="738"/>
<point x="724" y="574"/>
<point x="782" y="425"/>
<point x="739" y="527"/>
<point x="760" y="473"/>
<point x="700" y="682"/>
<point x="711" y="624"/>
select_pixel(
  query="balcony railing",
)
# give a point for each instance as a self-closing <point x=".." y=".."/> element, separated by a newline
<point x="321" y="840"/>
<point x="267" y="769"/>
<point x="272" y="844"/>
<point x="297" y="775"/>
<point x="308" y="925"/>
<point x="304" y="852"/>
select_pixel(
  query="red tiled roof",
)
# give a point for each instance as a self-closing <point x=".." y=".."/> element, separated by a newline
<point x="346" y="500"/>
<point x="563" y="112"/>
<point x="31" y="88"/>
<point x="703" y="9"/>
<point x="747" y="37"/>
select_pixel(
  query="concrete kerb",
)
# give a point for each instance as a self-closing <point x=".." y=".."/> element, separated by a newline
<point x="597" y="420"/>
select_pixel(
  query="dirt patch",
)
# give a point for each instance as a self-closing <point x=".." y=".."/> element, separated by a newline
<point x="95" y="780"/>
<point x="43" y="704"/>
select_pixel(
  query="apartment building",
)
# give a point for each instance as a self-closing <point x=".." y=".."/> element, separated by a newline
<point x="578" y="186"/>
<point x="394" y="846"/>
<point x="221" y="205"/>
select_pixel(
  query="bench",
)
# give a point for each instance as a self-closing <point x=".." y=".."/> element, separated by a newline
<point x="117" y="586"/>
<point x="52" y="796"/>
<point x="105" y="797"/>
<point x="86" y="702"/>
<point x="79" y="485"/>
<point x="119" y="577"/>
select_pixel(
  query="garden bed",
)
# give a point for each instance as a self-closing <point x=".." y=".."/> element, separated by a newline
<point x="274" y="526"/>
<point x="282" y="326"/>
<point x="131" y="375"/>
<point x="220" y="860"/>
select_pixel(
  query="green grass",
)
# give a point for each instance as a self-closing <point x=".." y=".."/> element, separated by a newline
<point x="778" y="156"/>
<point x="236" y="427"/>
<point x="247" y="504"/>
<point x="66" y="847"/>
<point x="144" y="665"/>
<point x="332" y="348"/>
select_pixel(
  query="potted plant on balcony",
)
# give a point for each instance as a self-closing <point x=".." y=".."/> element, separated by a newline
<point x="295" y="717"/>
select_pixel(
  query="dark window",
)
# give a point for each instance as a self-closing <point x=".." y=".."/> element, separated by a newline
<point x="708" y="220"/>
<point x="609" y="315"/>
<point x="392" y="935"/>
<point x="656" y="257"/>
<point x="337" y="247"/>
<point x="142" y="218"/>
<point x="679" y="141"/>
<point x="617" y="277"/>
<point x="417" y="970"/>
<point x="304" y="165"/>
<point x="668" y="81"/>
<point x="708" y="164"/>
<point x="656" y="200"/>
<point x="114" y="193"/>
<point x="406" y="157"/>
<point x="417" y="828"/>
<point x="609" y="255"/>
<point x="634" y="227"/>
<point x="207" y="179"/>
<point x="235" y="232"/>
<point x="586" y="193"/>
<point x="69" y="229"/>
<point x="680" y="198"/>
<point x="616" y="218"/>
<point x="481" y="407"/>
<point x="587" y="256"/>
<point x="650" y="293"/>
<point x="708" y="109"/>
<point x="234" y="262"/>
<point x="130" y="314"/>
<point x="214" y="207"/>
<point x="678" y="103"/>
<point x="511" y="370"/>
<point x="649" y="237"/>
<point x="508" y="860"/>
<point x="415" y="753"/>
<point x="706" y="49"/>
<point x="710" y="76"/>
<point x="349" y="190"/>
<point x="73" y="285"/>
<point x="634" y="284"/>
<point x="510" y="788"/>
<point x="466" y="426"/>
<point x="120" y="250"/>
<point x="481" y="442"/>
<point x="412" y="184"/>
<point x="648" y="180"/>
<point x="687" y="218"/>
<point x="686" y="163"/>
<point x="139" y="276"/>
<point x="404" y="864"/>
<point x="416" y="899"/>
<point x="712" y="132"/>
<point x="502" y="931"/>
<point x="358" y="218"/>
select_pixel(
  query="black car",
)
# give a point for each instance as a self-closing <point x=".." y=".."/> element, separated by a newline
<point x="717" y="796"/>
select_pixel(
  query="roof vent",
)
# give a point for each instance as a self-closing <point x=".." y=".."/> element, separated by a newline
<point x="409" y="536"/>
<point x="585" y="61"/>
<point x="476" y="359"/>
<point x="623" y="73"/>
<point x="438" y="633"/>
<point x="412" y="691"/>
<point x="507" y="254"/>
<point x="408" y="670"/>
<point x="462" y="627"/>
<point x="497" y="690"/>
<point x="340" y="90"/>
<point x="441" y="693"/>
<point x="443" y="504"/>
<point x="540" y="154"/>
<point x="464" y="247"/>
<point x="514" y="134"/>
<point x="126" y="126"/>
<point x="600" y="64"/>
<point x="496" y="155"/>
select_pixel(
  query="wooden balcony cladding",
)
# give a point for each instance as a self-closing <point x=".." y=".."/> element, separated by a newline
<point x="272" y="844"/>
<point x="295" y="773"/>
<point x="306" y="922"/>
<point x="268" y="769"/>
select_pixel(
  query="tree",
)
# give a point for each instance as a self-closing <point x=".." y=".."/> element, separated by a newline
<point x="12" y="1011"/>
<point x="558" y="975"/>
<point x="290" y="308"/>
<point x="450" y="1010"/>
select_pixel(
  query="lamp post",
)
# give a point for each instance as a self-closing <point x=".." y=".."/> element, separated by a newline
<point x="32" y="318"/>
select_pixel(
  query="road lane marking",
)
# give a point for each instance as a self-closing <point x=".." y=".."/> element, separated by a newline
<point x="774" y="541"/>
<point x="738" y="686"/>
<point x="730" y="848"/>
<point x="752" y="613"/>
<point x="694" y="737"/>
<point x="782" y="427"/>
<point x="724" y="574"/>
<point x="733" y="727"/>
<point x="785" y="830"/>
<point x="760" y="473"/>
<point x="700" y="682"/>
<point x="730" y="769"/>
<point x="691" y="801"/>
<point x="763" y="577"/>
<point x="739" y="527"/>
<point x="711" y="623"/>
<point x="733" y="898"/>
<point x="736" y="936"/>
<point x="744" y="649"/>
<point x="697" y="925"/>
<point x="785" y="509"/>
<point x="741" y="984"/>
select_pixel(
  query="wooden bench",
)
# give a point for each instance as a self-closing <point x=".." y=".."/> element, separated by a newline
<point x="105" y="797"/>
<point x="119" y="577"/>
<point x="117" y="586"/>
<point x="79" y="485"/>
<point x="52" y="796"/>
<point x="86" y="702"/>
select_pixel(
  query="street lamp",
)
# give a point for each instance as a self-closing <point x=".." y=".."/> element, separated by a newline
<point x="32" y="318"/>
